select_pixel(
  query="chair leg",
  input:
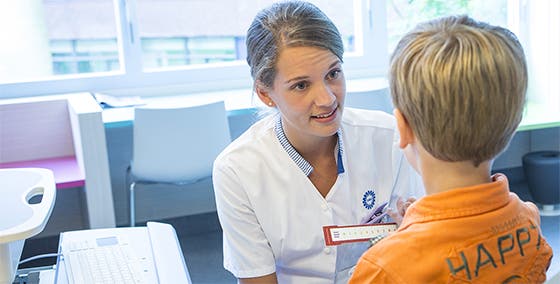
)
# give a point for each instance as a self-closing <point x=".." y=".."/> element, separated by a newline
<point x="131" y="204"/>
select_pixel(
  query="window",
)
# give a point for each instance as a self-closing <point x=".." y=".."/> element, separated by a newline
<point x="108" y="46"/>
<point x="158" y="47"/>
<point x="403" y="15"/>
<point x="57" y="37"/>
<point x="175" y="33"/>
<point x="539" y="28"/>
<point x="535" y="23"/>
<point x="83" y="56"/>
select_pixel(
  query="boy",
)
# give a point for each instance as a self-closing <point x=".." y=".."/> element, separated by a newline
<point x="459" y="87"/>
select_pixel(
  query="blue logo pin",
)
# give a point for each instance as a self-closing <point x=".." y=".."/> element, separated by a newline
<point x="368" y="199"/>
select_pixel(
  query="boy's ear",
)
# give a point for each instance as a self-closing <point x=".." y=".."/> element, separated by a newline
<point x="263" y="94"/>
<point x="407" y="136"/>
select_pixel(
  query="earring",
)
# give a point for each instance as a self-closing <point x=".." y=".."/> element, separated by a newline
<point x="270" y="103"/>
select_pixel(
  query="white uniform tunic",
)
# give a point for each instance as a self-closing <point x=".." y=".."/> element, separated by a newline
<point x="272" y="215"/>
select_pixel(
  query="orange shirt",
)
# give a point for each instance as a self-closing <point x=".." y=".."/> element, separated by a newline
<point x="479" y="234"/>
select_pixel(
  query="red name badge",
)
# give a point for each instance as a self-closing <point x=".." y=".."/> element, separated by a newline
<point x="336" y="235"/>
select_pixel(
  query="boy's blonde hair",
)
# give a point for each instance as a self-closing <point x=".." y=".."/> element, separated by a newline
<point x="461" y="86"/>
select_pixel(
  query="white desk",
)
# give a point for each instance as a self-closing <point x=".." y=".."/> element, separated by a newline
<point x="51" y="127"/>
<point x="235" y="100"/>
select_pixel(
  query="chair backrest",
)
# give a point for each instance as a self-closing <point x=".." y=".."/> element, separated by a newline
<point x="375" y="99"/>
<point x="178" y="144"/>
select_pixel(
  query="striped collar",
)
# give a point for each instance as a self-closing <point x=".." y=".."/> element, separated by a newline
<point x="304" y="165"/>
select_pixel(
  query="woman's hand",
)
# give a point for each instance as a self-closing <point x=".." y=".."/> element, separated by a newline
<point x="397" y="214"/>
<point x="376" y="215"/>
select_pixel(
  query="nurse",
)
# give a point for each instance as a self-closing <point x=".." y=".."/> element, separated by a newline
<point x="312" y="164"/>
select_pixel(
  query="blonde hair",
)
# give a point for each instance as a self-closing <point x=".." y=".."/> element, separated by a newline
<point x="461" y="86"/>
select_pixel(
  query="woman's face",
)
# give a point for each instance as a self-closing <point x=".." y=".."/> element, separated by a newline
<point x="308" y="90"/>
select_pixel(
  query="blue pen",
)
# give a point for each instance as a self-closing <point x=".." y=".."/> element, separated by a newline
<point x="378" y="214"/>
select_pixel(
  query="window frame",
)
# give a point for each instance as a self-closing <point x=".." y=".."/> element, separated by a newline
<point x="370" y="60"/>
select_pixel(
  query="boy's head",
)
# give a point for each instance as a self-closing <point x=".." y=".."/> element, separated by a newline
<point x="460" y="84"/>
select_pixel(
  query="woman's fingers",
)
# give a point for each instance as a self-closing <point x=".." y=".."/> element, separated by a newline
<point x="402" y="205"/>
<point x="395" y="215"/>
